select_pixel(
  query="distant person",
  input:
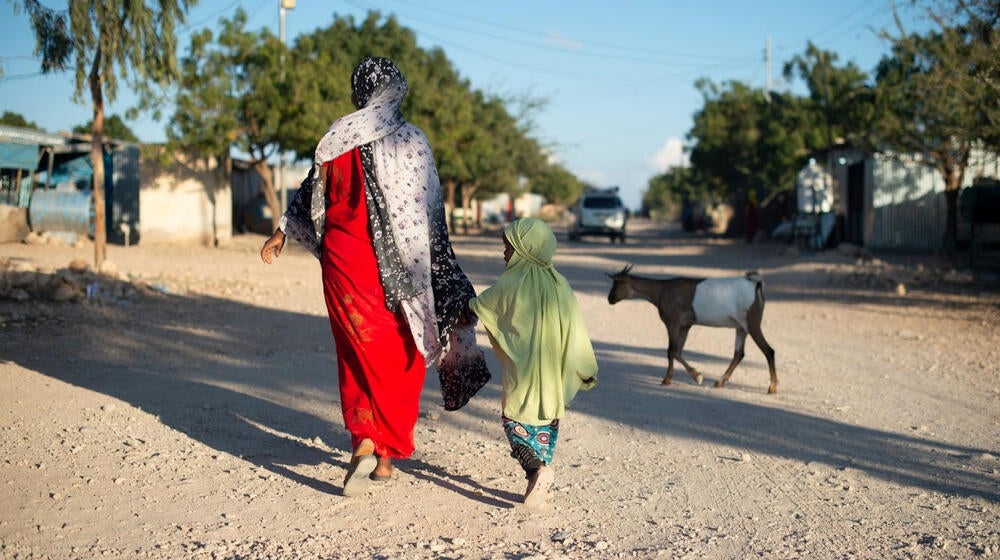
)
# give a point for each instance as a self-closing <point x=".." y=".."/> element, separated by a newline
<point x="371" y="210"/>
<point x="537" y="331"/>
<point x="687" y="215"/>
<point x="752" y="220"/>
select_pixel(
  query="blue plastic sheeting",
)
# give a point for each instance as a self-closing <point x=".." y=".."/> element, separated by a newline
<point x="61" y="210"/>
<point x="19" y="156"/>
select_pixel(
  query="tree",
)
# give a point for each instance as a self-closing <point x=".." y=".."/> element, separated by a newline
<point x="975" y="24"/>
<point x="15" y="119"/>
<point x="556" y="183"/>
<point x="839" y="97"/>
<point x="667" y="191"/>
<point x="479" y="146"/>
<point x="939" y="93"/>
<point x="236" y="92"/>
<point x="742" y="140"/>
<point x="114" y="127"/>
<point x="104" y="40"/>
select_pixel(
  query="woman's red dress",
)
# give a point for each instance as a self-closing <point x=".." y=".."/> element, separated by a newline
<point x="380" y="370"/>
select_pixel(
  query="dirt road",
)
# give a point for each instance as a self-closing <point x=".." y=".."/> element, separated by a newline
<point x="190" y="410"/>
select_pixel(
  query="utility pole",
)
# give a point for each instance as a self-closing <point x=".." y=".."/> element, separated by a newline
<point x="767" y="69"/>
<point x="283" y="6"/>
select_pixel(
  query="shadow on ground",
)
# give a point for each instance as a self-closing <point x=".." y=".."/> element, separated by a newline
<point x="260" y="384"/>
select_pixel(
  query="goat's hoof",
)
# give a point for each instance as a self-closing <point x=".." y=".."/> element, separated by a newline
<point x="772" y="390"/>
<point x="697" y="378"/>
<point x="720" y="383"/>
<point x="665" y="382"/>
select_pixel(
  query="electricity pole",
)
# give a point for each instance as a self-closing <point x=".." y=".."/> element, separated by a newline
<point x="767" y="69"/>
<point x="283" y="6"/>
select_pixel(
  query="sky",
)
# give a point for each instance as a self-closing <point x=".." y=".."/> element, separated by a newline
<point x="618" y="77"/>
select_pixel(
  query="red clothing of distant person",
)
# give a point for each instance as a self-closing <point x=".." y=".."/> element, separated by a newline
<point x="380" y="370"/>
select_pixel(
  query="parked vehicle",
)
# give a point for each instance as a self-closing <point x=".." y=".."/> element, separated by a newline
<point x="598" y="213"/>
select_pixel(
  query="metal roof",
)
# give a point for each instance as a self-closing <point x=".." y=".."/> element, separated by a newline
<point x="17" y="135"/>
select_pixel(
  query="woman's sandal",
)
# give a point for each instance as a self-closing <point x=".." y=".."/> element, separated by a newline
<point x="362" y="465"/>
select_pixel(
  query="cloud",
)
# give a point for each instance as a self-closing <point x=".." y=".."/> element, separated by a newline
<point x="596" y="177"/>
<point x="670" y="155"/>
<point x="560" y="40"/>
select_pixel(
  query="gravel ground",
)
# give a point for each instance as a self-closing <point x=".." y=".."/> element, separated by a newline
<point x="188" y="409"/>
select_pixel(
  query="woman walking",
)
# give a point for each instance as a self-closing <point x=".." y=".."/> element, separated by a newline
<point x="372" y="211"/>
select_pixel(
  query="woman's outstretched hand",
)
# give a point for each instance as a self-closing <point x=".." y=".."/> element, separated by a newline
<point x="273" y="246"/>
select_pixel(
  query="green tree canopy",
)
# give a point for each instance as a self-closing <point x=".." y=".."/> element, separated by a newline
<point x="10" y="118"/>
<point x="742" y="140"/>
<point x="839" y="97"/>
<point x="104" y="40"/>
<point x="114" y="127"/>
<point x="242" y="89"/>
<point x="939" y="95"/>
<point x="236" y="92"/>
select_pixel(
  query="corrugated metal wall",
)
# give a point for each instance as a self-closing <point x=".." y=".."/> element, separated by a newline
<point x="122" y="194"/>
<point x="908" y="205"/>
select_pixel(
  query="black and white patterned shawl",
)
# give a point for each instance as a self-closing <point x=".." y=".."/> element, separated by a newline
<point x="420" y="274"/>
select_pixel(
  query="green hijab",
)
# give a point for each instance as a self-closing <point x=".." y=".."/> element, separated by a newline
<point x="536" y="327"/>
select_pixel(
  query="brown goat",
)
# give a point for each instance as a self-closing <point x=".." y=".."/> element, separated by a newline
<point x="734" y="302"/>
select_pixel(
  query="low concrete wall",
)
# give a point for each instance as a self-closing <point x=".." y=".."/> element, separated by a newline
<point x="183" y="203"/>
<point x="13" y="224"/>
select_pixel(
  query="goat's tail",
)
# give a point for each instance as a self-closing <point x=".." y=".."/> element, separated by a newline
<point x="758" y="280"/>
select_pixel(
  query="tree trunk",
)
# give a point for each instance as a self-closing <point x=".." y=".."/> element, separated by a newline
<point x="449" y="201"/>
<point x="953" y="170"/>
<point x="267" y="188"/>
<point x="468" y="190"/>
<point x="97" y="160"/>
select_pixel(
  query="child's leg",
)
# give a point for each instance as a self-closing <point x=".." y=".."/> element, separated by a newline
<point x="532" y="446"/>
<point x="528" y="459"/>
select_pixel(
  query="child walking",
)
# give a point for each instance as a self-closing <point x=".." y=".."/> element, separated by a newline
<point x="537" y="331"/>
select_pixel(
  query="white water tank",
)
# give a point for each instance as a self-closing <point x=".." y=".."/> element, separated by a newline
<point x="814" y="189"/>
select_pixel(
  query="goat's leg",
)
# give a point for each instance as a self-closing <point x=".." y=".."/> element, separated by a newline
<point x="741" y="338"/>
<point x="758" y="338"/>
<point x="672" y="337"/>
<point x="682" y="335"/>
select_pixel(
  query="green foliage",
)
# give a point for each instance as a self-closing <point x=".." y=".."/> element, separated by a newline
<point x="667" y="191"/>
<point x="104" y="40"/>
<point x="940" y="91"/>
<point x="109" y="39"/>
<point x="114" y="127"/>
<point x="840" y="98"/>
<point x="244" y="89"/>
<point x="743" y="141"/>
<point x="557" y="184"/>
<point x="940" y="94"/>
<point x="478" y="145"/>
<point x="15" y="119"/>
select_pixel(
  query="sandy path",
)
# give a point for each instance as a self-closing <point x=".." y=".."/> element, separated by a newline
<point x="201" y="420"/>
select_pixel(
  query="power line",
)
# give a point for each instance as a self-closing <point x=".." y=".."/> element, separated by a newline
<point x="549" y="48"/>
<point x="227" y="9"/>
<point x="536" y="33"/>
